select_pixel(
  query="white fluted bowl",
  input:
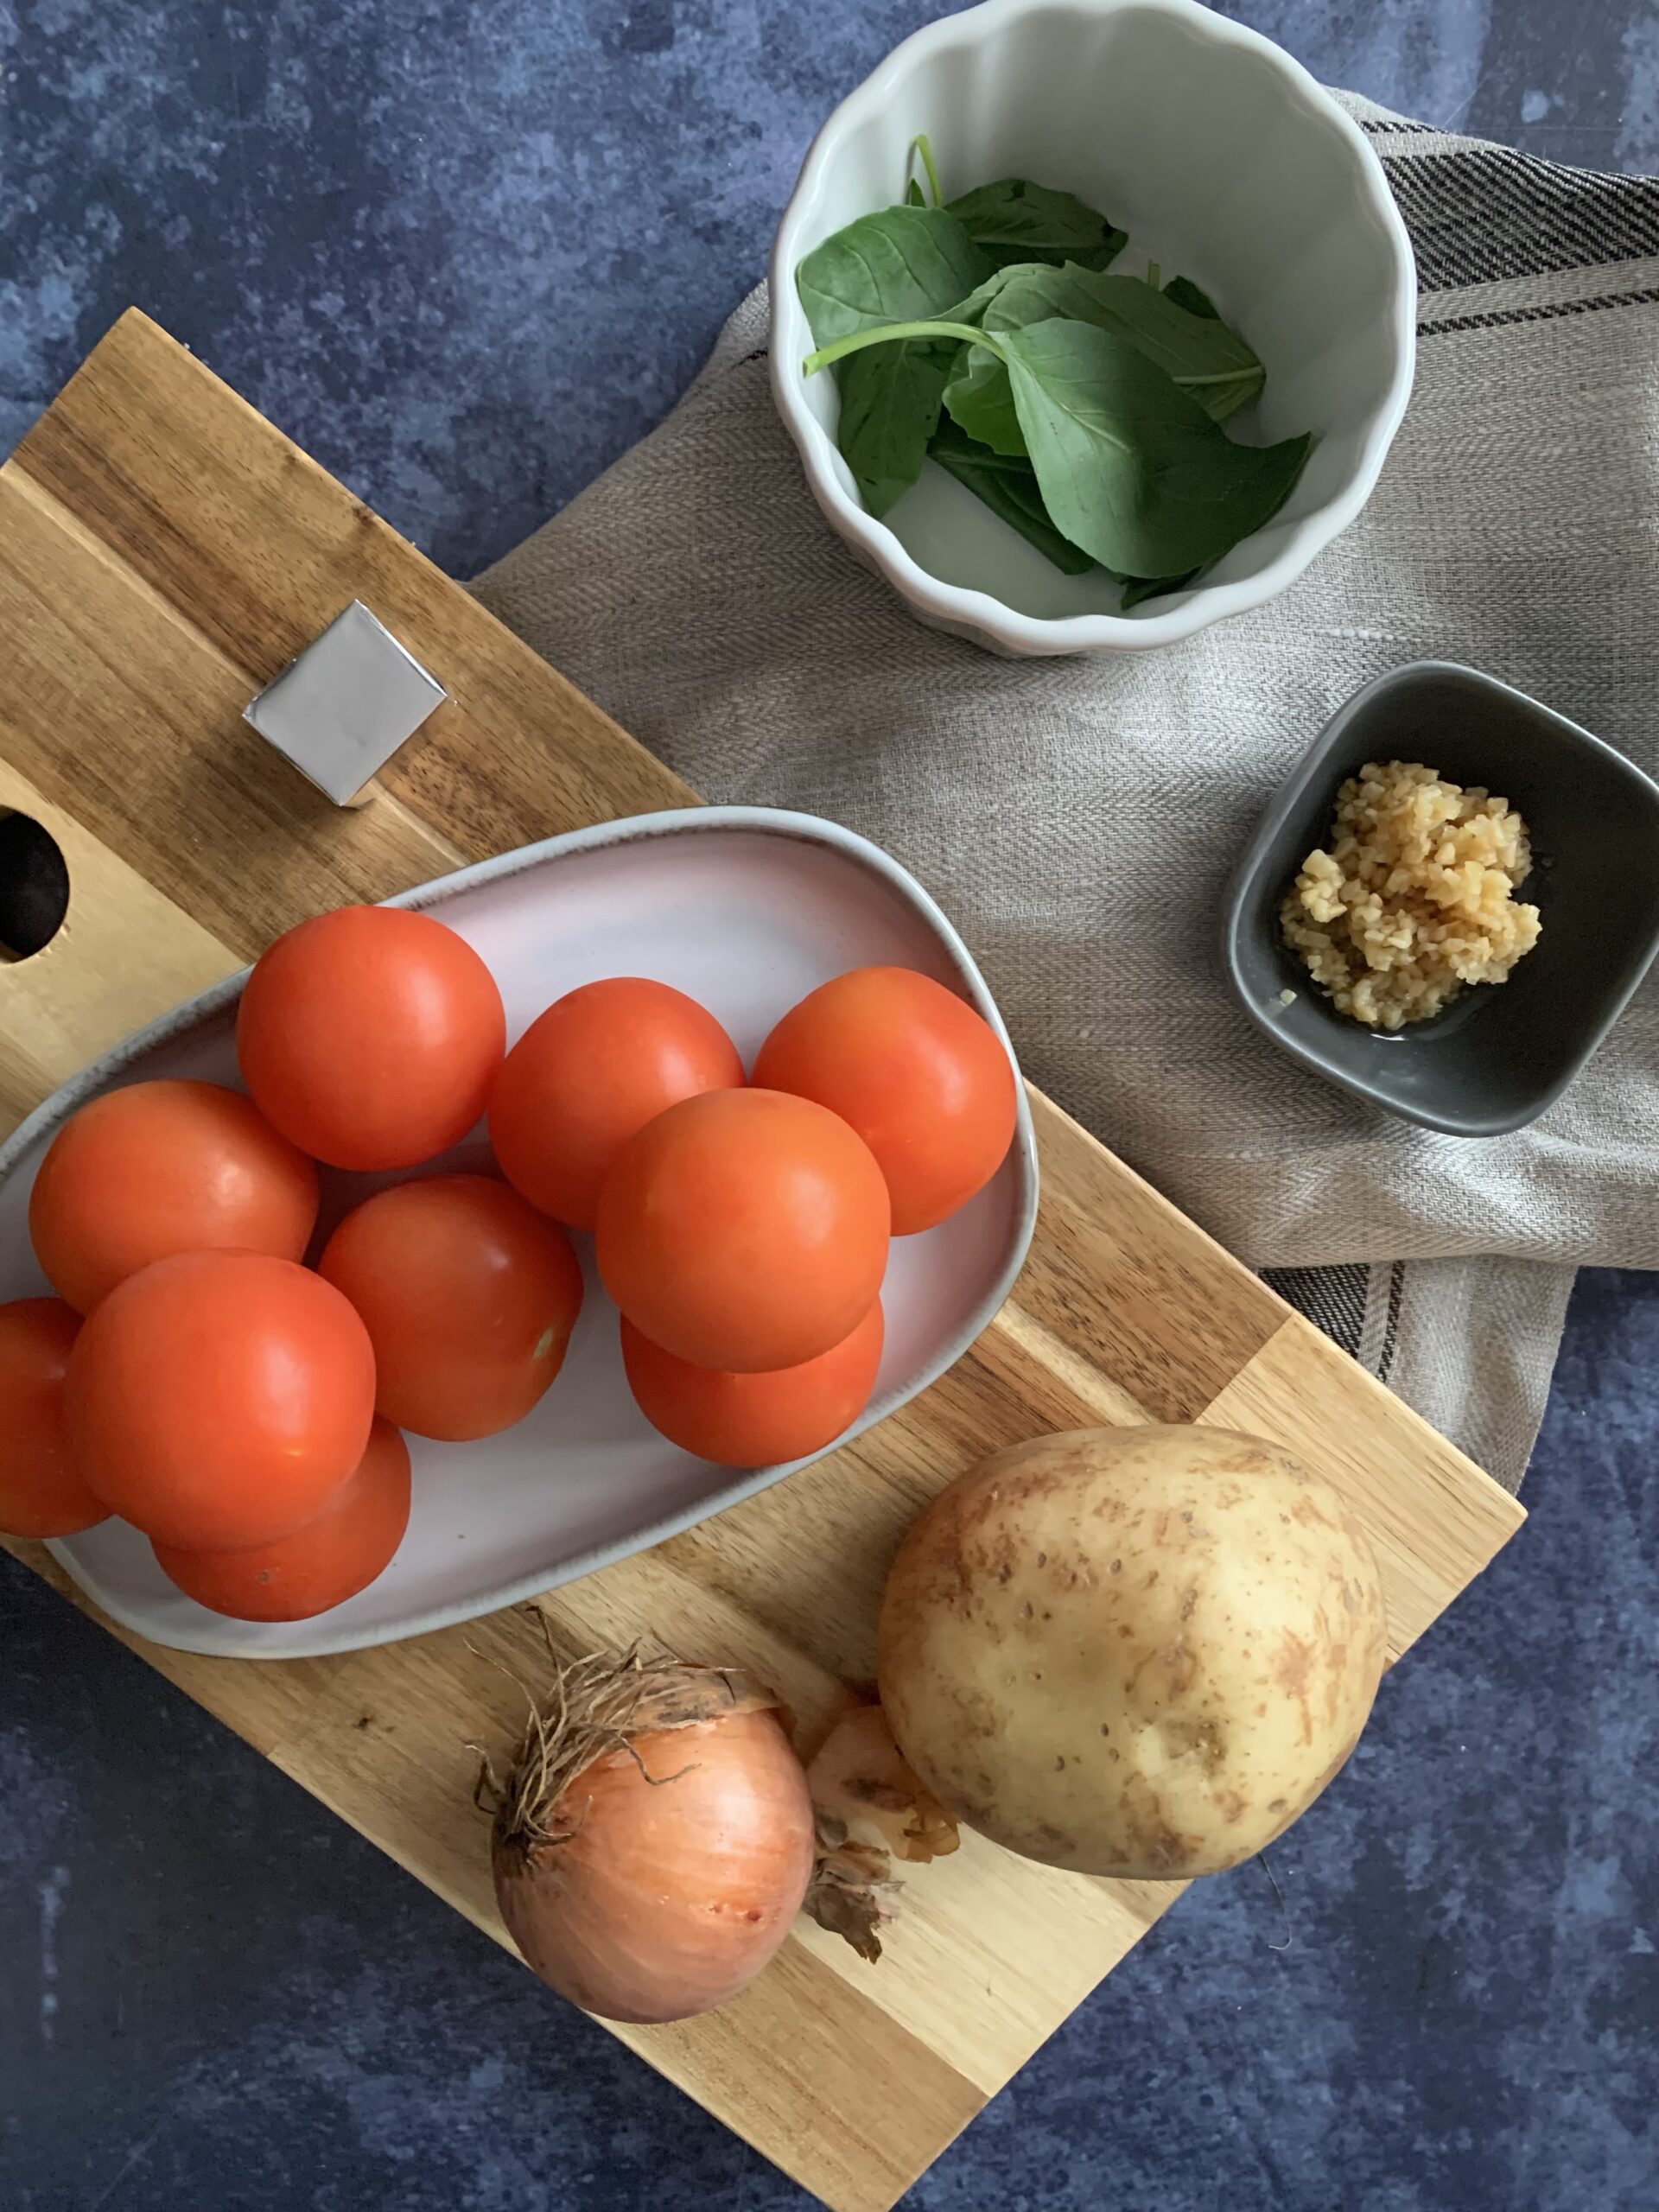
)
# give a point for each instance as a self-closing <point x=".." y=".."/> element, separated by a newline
<point x="1225" y="163"/>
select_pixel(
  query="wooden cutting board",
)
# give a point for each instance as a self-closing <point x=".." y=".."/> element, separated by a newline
<point x="163" y="552"/>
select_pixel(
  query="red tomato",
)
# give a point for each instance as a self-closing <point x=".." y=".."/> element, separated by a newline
<point x="744" y="1230"/>
<point x="754" y="1421"/>
<point x="219" y="1399"/>
<point x="924" y="1081"/>
<point x="324" y="1563"/>
<point x="41" y="1492"/>
<point x="587" y="1075"/>
<point x="469" y="1296"/>
<point x="165" y="1167"/>
<point x="369" y="1037"/>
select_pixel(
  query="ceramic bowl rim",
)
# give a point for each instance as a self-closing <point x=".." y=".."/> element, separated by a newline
<point x="311" y="1638"/>
<point x="1311" y="768"/>
<point x="961" y="606"/>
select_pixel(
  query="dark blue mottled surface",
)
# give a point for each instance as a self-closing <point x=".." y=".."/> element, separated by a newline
<point x="466" y="254"/>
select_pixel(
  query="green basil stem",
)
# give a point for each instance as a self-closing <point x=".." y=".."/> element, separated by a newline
<point x="918" y="145"/>
<point x="1153" y="275"/>
<point x="856" y="340"/>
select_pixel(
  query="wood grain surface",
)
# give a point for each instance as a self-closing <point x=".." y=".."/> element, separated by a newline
<point x="163" y="553"/>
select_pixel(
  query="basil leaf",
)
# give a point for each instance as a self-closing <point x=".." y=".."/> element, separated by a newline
<point x="981" y="399"/>
<point x="974" y="307"/>
<point x="902" y="265"/>
<point x="1186" y="294"/>
<point x="1013" y="220"/>
<point x="1131" y="467"/>
<point x="913" y="195"/>
<point x="889" y="409"/>
<point x="896" y="266"/>
<point x="1009" y="488"/>
<point x="1200" y="353"/>
<point x="1135" y="588"/>
<point x="977" y="394"/>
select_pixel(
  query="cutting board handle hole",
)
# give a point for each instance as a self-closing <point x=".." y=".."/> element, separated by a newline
<point x="33" y="887"/>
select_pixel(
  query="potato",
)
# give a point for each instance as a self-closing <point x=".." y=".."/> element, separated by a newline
<point x="1140" y="1652"/>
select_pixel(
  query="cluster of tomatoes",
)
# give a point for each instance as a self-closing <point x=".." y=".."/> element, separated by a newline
<point x="245" y="1410"/>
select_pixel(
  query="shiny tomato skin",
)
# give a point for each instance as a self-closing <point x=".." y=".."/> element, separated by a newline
<point x="369" y="1037"/>
<point x="469" y="1296"/>
<point x="321" y="1566"/>
<point x="43" y="1493"/>
<point x="163" y="1167"/>
<point x="754" y="1421"/>
<point x="924" y="1079"/>
<point x="587" y="1075"/>
<point x="219" y="1399"/>
<point x="744" y="1230"/>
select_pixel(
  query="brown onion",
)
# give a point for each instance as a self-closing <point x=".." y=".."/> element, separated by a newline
<point x="654" y="1839"/>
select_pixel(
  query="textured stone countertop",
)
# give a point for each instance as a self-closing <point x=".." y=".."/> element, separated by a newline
<point x="466" y="254"/>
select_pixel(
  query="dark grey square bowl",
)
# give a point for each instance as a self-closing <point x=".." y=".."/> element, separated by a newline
<point x="1499" y="1054"/>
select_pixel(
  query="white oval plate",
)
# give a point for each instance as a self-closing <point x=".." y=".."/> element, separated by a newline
<point x="746" y="910"/>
